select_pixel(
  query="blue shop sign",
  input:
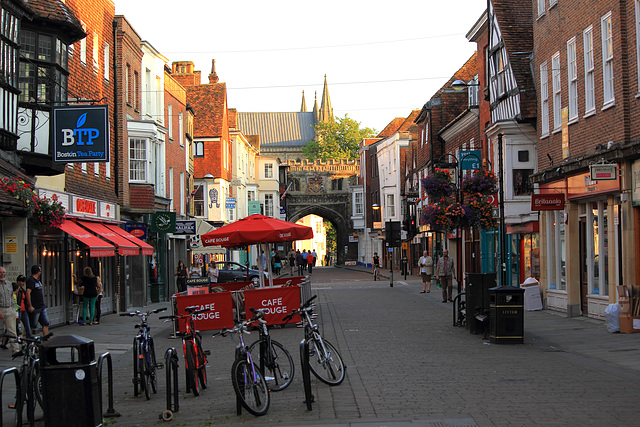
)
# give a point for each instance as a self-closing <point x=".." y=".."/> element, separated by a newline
<point x="80" y="134"/>
<point x="185" y="227"/>
<point x="470" y="160"/>
<point x="230" y="203"/>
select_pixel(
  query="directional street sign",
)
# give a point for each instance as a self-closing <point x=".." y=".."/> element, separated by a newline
<point x="470" y="160"/>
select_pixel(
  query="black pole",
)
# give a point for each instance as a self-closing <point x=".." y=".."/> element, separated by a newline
<point x="503" y="262"/>
<point x="461" y="197"/>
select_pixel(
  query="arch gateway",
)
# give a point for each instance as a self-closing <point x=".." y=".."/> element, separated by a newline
<point x="324" y="189"/>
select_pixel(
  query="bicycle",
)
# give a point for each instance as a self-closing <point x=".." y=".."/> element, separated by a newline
<point x="328" y="366"/>
<point x="144" y="355"/>
<point x="30" y="375"/>
<point x="271" y="355"/>
<point x="248" y="382"/>
<point x="376" y="272"/>
<point x="195" y="358"/>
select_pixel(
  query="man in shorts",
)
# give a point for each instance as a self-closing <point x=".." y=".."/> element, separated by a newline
<point x="35" y="301"/>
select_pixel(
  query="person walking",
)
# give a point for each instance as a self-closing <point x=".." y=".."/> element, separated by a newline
<point x="299" y="261"/>
<point x="315" y="256"/>
<point x="89" y="295"/>
<point x="35" y="300"/>
<point x="277" y="263"/>
<point x="181" y="274"/>
<point x="213" y="272"/>
<point x="310" y="261"/>
<point x="445" y="270"/>
<point x="292" y="261"/>
<point x="8" y="311"/>
<point x="426" y="270"/>
<point x="96" y="319"/>
<point x="21" y="299"/>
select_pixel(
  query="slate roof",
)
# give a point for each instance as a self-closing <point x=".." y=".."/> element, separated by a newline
<point x="515" y="21"/>
<point x="209" y="102"/>
<point x="289" y="129"/>
<point x="57" y="12"/>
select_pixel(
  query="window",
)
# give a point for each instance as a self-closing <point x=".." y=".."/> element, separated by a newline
<point x="199" y="149"/>
<point x="589" y="67"/>
<point x="137" y="159"/>
<point x="170" y="193"/>
<point x="472" y="91"/>
<point x="597" y="248"/>
<point x="637" y="15"/>
<point x="268" y="204"/>
<point x="44" y="81"/>
<point x="182" y="195"/>
<point x="607" y="59"/>
<point x="556" y="82"/>
<point x="136" y="91"/>
<point x="336" y="184"/>
<point x="359" y="205"/>
<point x="198" y="201"/>
<point x="268" y="170"/>
<point x="106" y="61"/>
<point x="544" y="100"/>
<point x="96" y="52"/>
<point x="391" y="207"/>
<point x="147" y="91"/>
<point x="551" y="4"/>
<point x="572" y="75"/>
<point x="541" y="7"/>
<point x="181" y="129"/>
<point x="83" y="47"/>
<point x="521" y="185"/>
<point x="170" y="120"/>
<point x="500" y="73"/>
<point x="523" y="156"/>
<point x="127" y="82"/>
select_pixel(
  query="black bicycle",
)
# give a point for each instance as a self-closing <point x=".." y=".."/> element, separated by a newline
<point x="144" y="355"/>
<point x="248" y="382"/>
<point x="276" y="363"/>
<point x="324" y="359"/>
<point x="30" y="375"/>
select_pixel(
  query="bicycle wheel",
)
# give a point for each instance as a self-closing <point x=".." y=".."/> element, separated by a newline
<point x="143" y="372"/>
<point x="190" y="367"/>
<point x="279" y="367"/>
<point x="37" y="385"/>
<point x="202" y="364"/>
<point x="327" y="367"/>
<point x="153" y="375"/>
<point x="252" y="391"/>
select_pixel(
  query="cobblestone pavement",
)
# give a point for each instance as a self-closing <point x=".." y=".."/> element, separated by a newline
<point x="406" y="366"/>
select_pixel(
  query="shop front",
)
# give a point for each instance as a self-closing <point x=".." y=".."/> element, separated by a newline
<point x="581" y="255"/>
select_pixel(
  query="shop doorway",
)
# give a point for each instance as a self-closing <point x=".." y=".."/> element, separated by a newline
<point x="584" y="274"/>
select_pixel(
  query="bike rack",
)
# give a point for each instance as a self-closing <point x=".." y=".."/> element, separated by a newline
<point x="111" y="413"/>
<point x="459" y="307"/>
<point x="171" y="361"/>
<point x="306" y="373"/>
<point x="16" y="375"/>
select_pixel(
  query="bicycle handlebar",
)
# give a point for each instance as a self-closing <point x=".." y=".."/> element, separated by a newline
<point x="36" y="339"/>
<point x="139" y="313"/>
<point x="303" y="307"/>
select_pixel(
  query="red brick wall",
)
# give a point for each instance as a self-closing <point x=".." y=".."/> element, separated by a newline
<point x="175" y="95"/>
<point x="142" y="197"/>
<point x="89" y="83"/>
<point x="551" y="33"/>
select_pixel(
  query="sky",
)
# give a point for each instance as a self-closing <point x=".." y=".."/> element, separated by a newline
<point x="381" y="59"/>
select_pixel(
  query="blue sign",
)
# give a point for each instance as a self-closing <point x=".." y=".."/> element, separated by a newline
<point x="230" y="203"/>
<point x="81" y="134"/>
<point x="185" y="227"/>
<point x="470" y="160"/>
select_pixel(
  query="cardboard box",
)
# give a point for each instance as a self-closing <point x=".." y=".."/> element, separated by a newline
<point x="629" y="324"/>
<point x="624" y="306"/>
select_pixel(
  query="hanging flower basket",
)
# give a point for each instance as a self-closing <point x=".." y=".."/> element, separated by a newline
<point x="438" y="185"/>
<point x="484" y="213"/>
<point x="480" y="183"/>
<point x="41" y="212"/>
<point x="462" y="216"/>
<point x="435" y="216"/>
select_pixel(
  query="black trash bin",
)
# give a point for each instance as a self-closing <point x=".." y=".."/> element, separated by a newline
<point x="70" y="382"/>
<point x="477" y="300"/>
<point x="506" y="315"/>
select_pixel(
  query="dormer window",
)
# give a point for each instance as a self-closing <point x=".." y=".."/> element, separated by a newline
<point x="43" y="68"/>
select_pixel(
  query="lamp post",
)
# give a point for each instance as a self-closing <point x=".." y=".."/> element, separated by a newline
<point x="502" y="231"/>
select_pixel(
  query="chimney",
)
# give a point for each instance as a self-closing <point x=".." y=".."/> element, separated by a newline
<point x="213" y="77"/>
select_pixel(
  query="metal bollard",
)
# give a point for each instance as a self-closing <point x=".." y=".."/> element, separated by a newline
<point x="171" y="362"/>
<point x="110" y="411"/>
<point x="306" y="373"/>
<point x="16" y="375"/>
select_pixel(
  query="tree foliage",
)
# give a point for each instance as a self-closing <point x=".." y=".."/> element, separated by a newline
<point x="337" y="139"/>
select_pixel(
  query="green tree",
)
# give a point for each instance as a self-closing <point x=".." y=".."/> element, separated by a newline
<point x="337" y="139"/>
<point x="332" y="236"/>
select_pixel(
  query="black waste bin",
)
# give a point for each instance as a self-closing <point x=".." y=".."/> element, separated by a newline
<point x="70" y="382"/>
<point x="506" y="315"/>
<point x="477" y="300"/>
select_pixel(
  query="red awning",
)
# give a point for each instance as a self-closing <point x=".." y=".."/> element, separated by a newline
<point x="147" y="249"/>
<point x="97" y="246"/>
<point x="125" y="246"/>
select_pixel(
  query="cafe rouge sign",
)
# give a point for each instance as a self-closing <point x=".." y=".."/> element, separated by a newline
<point x="81" y="134"/>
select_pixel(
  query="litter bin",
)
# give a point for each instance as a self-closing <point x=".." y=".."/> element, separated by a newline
<point x="506" y="315"/>
<point x="477" y="300"/>
<point x="70" y="382"/>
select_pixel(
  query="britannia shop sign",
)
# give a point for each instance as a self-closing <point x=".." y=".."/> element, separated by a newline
<point x="547" y="202"/>
<point x="80" y="134"/>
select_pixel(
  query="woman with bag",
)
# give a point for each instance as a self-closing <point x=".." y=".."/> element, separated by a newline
<point x="181" y="274"/>
<point x="89" y="290"/>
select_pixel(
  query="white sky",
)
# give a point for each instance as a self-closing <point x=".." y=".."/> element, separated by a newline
<point x="382" y="59"/>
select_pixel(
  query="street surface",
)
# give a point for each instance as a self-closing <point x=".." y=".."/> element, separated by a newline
<point x="406" y="366"/>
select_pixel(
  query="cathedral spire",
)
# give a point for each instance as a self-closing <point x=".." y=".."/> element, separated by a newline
<point x="316" y="112"/>
<point x="326" y="112"/>
<point x="213" y="77"/>
<point x="303" y="108"/>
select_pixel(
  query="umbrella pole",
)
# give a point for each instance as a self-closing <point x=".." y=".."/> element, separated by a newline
<point x="260" y="266"/>
<point x="269" y="267"/>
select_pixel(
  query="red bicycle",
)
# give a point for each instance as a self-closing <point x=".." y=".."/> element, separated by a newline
<point x="195" y="357"/>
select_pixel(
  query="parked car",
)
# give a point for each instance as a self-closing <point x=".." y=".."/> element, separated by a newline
<point x="229" y="271"/>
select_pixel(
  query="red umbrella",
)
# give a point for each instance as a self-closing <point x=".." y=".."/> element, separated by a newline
<point x="256" y="229"/>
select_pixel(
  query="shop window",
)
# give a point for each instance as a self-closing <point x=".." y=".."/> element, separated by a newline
<point x="521" y="183"/>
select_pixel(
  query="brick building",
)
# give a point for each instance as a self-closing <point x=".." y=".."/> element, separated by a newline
<point x="586" y="67"/>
